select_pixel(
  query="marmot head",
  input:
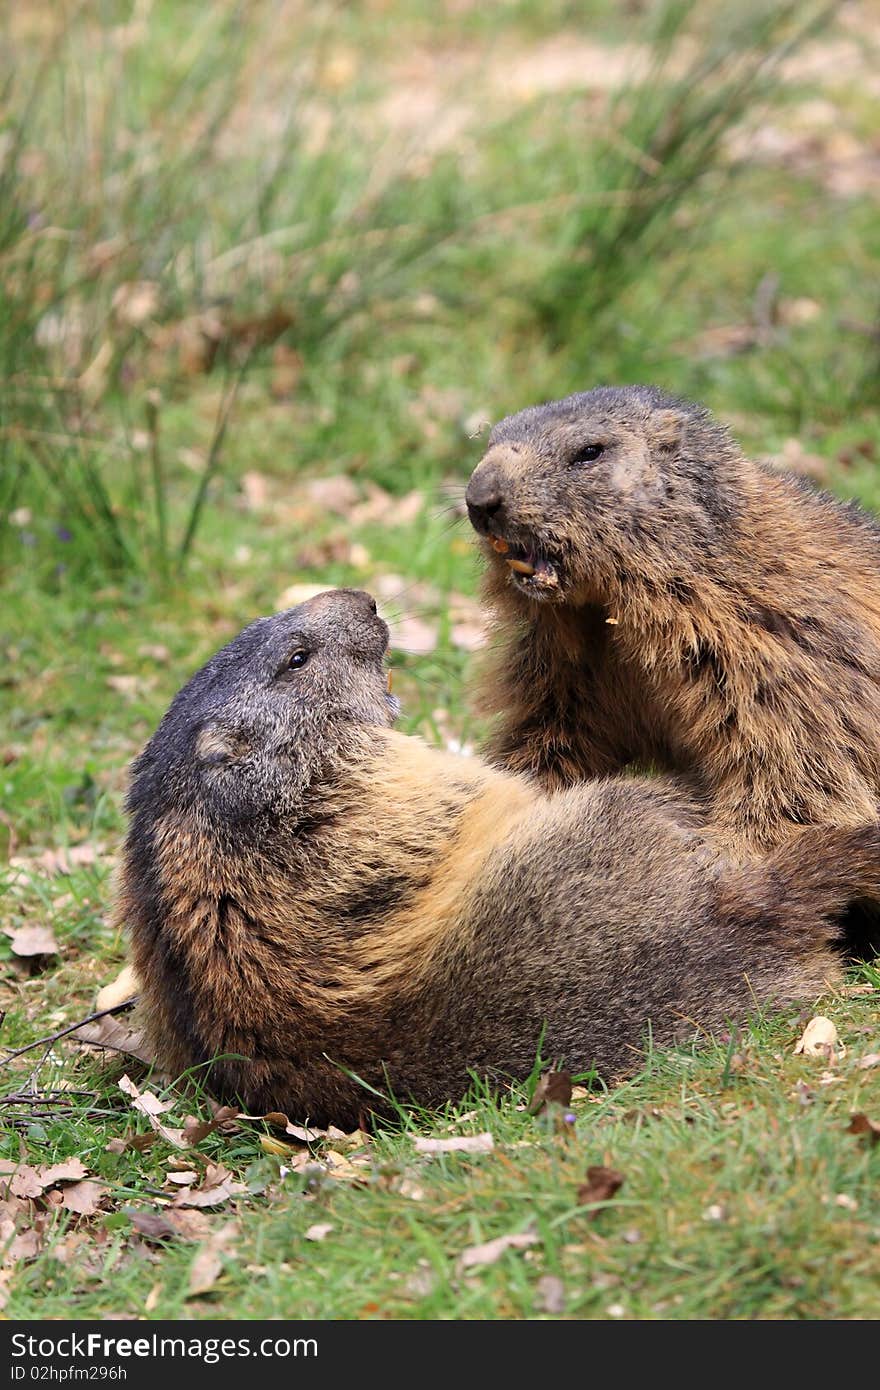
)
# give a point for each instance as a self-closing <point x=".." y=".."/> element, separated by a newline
<point x="567" y="490"/>
<point x="258" y="723"/>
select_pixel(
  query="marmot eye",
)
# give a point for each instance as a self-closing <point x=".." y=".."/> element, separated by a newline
<point x="589" y="453"/>
<point x="298" y="660"/>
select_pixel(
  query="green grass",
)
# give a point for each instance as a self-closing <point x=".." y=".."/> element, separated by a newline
<point x="466" y="302"/>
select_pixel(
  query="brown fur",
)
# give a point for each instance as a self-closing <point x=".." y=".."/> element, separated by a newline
<point x="310" y="894"/>
<point x="691" y="610"/>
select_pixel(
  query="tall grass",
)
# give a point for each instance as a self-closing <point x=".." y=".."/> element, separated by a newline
<point x="169" y="215"/>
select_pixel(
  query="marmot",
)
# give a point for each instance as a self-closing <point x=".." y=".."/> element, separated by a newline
<point x="670" y="603"/>
<point x="325" y="905"/>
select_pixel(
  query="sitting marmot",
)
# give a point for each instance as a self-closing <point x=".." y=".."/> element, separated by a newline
<point x="316" y="900"/>
<point x="670" y="603"/>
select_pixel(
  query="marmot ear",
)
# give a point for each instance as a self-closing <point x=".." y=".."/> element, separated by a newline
<point x="216" y="745"/>
<point x="667" y="428"/>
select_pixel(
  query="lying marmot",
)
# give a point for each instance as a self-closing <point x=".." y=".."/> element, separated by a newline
<point x="671" y="603"/>
<point x="317" y="900"/>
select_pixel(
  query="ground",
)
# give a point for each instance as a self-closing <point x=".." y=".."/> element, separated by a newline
<point x="265" y="285"/>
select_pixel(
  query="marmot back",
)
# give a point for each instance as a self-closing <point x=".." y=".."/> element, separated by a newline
<point x="313" y="897"/>
<point x="665" y="601"/>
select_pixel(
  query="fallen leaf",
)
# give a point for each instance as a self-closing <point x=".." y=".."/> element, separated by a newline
<point x="194" y="1130"/>
<point x="152" y="1224"/>
<point x="255" y="488"/>
<point x="208" y="1262"/>
<point x="19" y="1180"/>
<point x="870" y="1059"/>
<point x="152" y="1107"/>
<point x="138" y="1142"/>
<point x="185" y="1177"/>
<point x="480" y="1255"/>
<point x="217" y="1187"/>
<point x="820" y="1039"/>
<point x="318" y="1231"/>
<point x="465" y="1143"/>
<point x="277" y="1120"/>
<point x="32" y="941"/>
<point x="71" y="1170"/>
<point x="601" y="1185"/>
<point x="84" y="1198"/>
<point x="152" y="1298"/>
<point x="553" y="1088"/>
<point x="860" y="1124"/>
<point x="109" y="1032"/>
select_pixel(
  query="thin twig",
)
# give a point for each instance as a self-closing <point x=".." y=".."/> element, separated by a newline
<point x="72" y="1028"/>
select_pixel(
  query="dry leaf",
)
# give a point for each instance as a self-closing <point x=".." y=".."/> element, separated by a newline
<point x="255" y="488"/>
<point x="860" y="1124"/>
<point x="819" y="1039"/>
<point x="208" y="1262"/>
<point x="151" y="1106"/>
<point x="465" y="1144"/>
<point x="318" y="1231"/>
<point x="553" y="1088"/>
<point x="126" y="986"/>
<point x="138" y="1142"/>
<point x="217" y="1187"/>
<point x="479" y="1255"/>
<point x="601" y="1185"/>
<point x="870" y="1059"/>
<point x="32" y="941"/>
<point x="84" y="1198"/>
<point x="19" y="1180"/>
<point x="71" y="1170"/>
<point x="297" y="594"/>
<point x="335" y="494"/>
<point x="195" y="1130"/>
<point x="111" y="1033"/>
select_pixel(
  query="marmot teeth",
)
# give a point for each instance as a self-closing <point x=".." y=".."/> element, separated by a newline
<point x="521" y="566"/>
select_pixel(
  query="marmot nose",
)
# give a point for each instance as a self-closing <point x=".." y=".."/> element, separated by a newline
<point x="484" y="497"/>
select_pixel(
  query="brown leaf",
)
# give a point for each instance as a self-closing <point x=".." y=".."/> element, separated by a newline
<point x="218" y="1186"/>
<point x="84" y="1198"/>
<point x="336" y="494"/>
<point x="32" y="941"/>
<point x="138" y="1142"/>
<point x="208" y="1262"/>
<point x="111" y="1033"/>
<point x="553" y="1088"/>
<point x="861" y="1124"/>
<point x="465" y="1143"/>
<point x="305" y="1134"/>
<point x="601" y="1185"/>
<point x="71" y="1170"/>
<point x="479" y="1255"/>
<point x="870" y="1059"/>
<point x="195" y="1130"/>
<point x="152" y="1224"/>
<point x="151" y="1106"/>
<point x="255" y="489"/>
<point x="19" y="1179"/>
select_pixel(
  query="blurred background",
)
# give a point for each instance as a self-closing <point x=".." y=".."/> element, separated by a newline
<point x="267" y="271"/>
<point x="270" y="268"/>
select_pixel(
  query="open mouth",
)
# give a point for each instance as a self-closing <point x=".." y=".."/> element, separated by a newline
<point x="531" y="573"/>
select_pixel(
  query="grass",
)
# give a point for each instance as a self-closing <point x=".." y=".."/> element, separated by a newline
<point x="376" y="312"/>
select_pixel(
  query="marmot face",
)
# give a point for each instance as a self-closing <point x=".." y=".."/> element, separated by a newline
<point x="569" y="489"/>
<point x="254" y="726"/>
